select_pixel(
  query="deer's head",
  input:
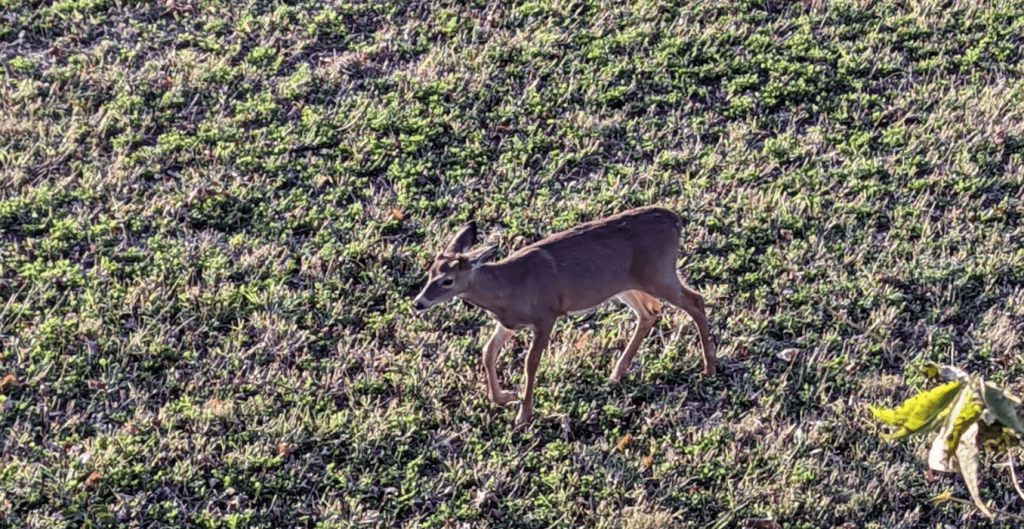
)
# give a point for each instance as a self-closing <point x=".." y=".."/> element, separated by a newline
<point x="453" y="269"/>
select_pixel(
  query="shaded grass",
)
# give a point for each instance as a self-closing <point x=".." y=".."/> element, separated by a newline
<point x="213" y="216"/>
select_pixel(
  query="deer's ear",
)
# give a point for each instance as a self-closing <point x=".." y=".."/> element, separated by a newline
<point x="482" y="255"/>
<point x="463" y="240"/>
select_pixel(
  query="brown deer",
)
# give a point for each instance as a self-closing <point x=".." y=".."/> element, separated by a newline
<point x="631" y="256"/>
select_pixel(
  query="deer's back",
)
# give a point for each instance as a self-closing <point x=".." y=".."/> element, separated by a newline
<point x="642" y="233"/>
<point x="594" y="261"/>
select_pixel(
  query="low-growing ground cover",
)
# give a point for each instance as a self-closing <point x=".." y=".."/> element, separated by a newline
<point x="214" y="214"/>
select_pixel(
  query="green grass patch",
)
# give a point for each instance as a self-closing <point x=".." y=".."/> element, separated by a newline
<point x="214" y="215"/>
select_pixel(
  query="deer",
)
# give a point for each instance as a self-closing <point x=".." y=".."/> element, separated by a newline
<point x="630" y="256"/>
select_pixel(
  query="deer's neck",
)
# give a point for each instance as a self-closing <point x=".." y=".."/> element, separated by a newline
<point x="489" y="291"/>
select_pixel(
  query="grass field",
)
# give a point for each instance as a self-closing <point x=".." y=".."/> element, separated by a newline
<point x="214" y="215"/>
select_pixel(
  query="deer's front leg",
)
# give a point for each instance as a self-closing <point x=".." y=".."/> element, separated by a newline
<point x="541" y="335"/>
<point x="489" y="358"/>
<point x="693" y="303"/>
<point x="646" y="308"/>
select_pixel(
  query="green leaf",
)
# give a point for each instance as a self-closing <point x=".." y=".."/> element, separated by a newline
<point x="964" y="413"/>
<point x="939" y="455"/>
<point x="920" y="413"/>
<point x="1005" y="407"/>
<point x="886" y="416"/>
<point x="967" y="415"/>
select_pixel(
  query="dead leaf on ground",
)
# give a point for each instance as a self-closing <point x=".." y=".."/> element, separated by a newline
<point x="788" y="355"/>
<point x="93" y="479"/>
<point x="9" y="380"/>
<point x="967" y="461"/>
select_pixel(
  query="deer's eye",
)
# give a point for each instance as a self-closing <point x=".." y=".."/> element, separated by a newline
<point x="447" y="282"/>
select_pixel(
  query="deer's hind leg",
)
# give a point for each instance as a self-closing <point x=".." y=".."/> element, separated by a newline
<point x="646" y="308"/>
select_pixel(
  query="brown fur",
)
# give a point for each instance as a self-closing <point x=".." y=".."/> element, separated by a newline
<point x="631" y="256"/>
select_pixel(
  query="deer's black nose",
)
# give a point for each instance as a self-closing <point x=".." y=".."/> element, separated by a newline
<point x="418" y="305"/>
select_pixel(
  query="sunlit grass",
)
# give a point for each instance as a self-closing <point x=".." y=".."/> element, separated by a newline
<point x="213" y="216"/>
